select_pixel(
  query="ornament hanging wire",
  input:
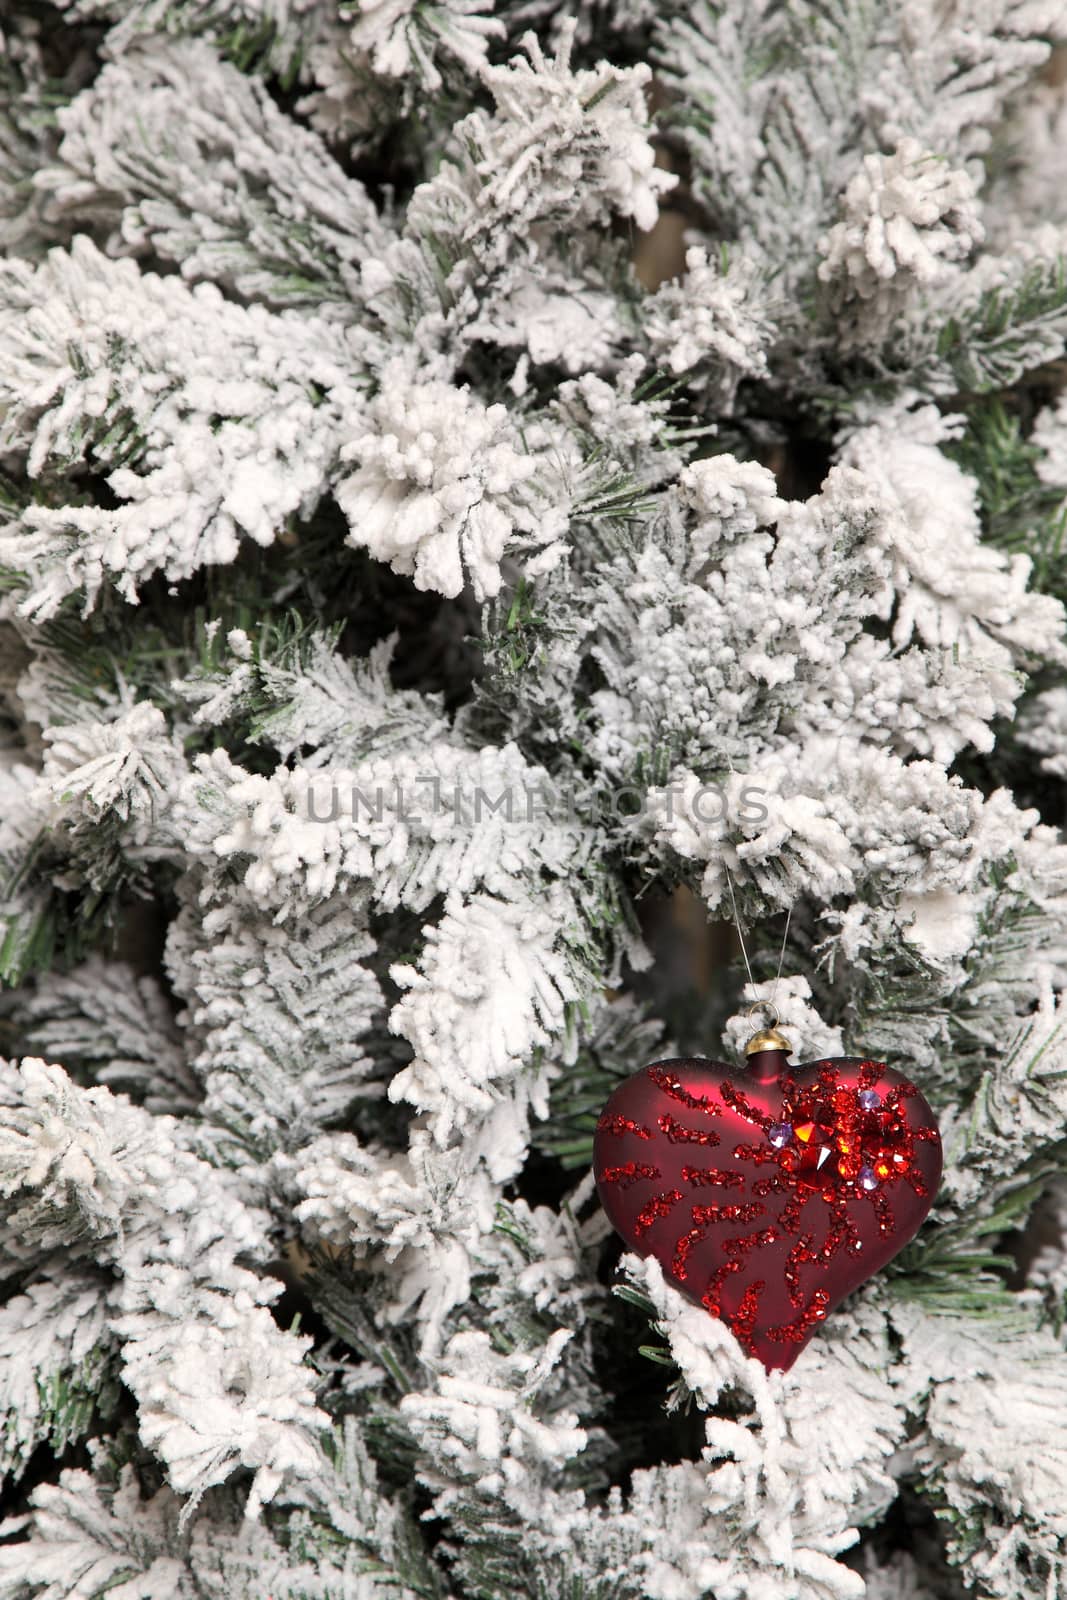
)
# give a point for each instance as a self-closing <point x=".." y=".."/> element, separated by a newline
<point x="759" y="1005"/>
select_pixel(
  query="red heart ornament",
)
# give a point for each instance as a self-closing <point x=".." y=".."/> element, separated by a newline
<point x="768" y="1194"/>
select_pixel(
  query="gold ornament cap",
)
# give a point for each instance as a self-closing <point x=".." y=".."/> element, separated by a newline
<point x="767" y="1039"/>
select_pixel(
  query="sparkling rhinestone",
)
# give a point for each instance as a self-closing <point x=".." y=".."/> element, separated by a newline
<point x="780" y="1133"/>
<point x="867" y="1178"/>
<point x="815" y="1137"/>
<point x="869" y="1099"/>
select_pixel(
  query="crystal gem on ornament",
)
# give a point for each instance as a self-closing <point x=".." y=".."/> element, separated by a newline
<point x="780" y="1133"/>
<point x="867" y="1178"/>
<point x="815" y="1138"/>
<point x="869" y="1099"/>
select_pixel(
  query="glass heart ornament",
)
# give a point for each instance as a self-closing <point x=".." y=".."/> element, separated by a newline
<point x="768" y="1194"/>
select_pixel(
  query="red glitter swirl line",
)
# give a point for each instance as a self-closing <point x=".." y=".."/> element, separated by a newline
<point x="739" y="1102"/>
<point x="683" y="1247"/>
<point x="789" y="1217"/>
<point x="743" y="1243"/>
<point x="704" y="1217"/>
<point x="840" y="1232"/>
<point x="660" y="1205"/>
<point x="758" y="1154"/>
<point x="681" y="1133"/>
<point x="675" y="1088"/>
<point x="620" y="1125"/>
<point x="796" y="1332"/>
<point x="742" y="1323"/>
<point x="630" y="1172"/>
<point x="710" y="1298"/>
<point x="746" y="1211"/>
<point x="801" y="1254"/>
<point x="883" y="1211"/>
<point x="775" y="1183"/>
<point x="853" y="1242"/>
<point x="712" y="1177"/>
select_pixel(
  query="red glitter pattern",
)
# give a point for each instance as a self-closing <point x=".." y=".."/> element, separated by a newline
<point x="739" y="1102"/>
<point x="659" y="1206"/>
<point x="629" y="1172"/>
<point x="710" y="1298"/>
<point x="707" y="1177"/>
<point x="797" y="1332"/>
<point x="743" y="1321"/>
<point x="703" y="1217"/>
<point x="681" y="1133"/>
<point x="620" y="1125"/>
<point x="758" y="1153"/>
<point x="670" y="1085"/>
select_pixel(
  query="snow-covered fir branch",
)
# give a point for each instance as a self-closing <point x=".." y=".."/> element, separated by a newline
<point x="415" y="624"/>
